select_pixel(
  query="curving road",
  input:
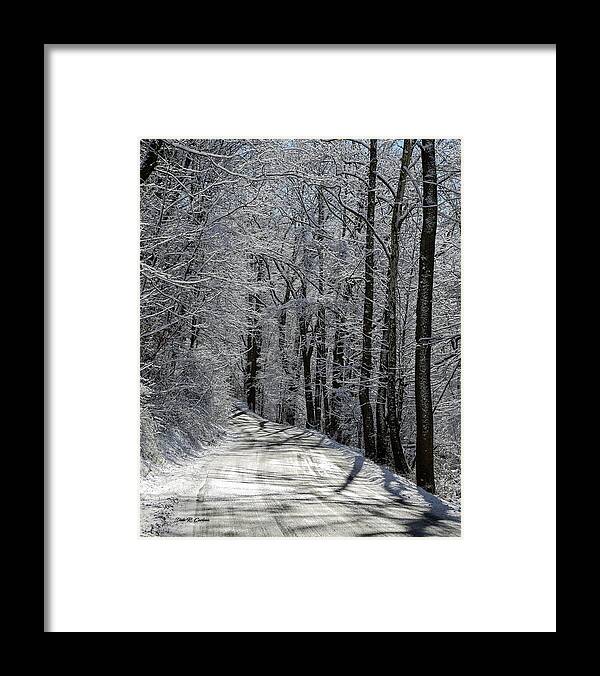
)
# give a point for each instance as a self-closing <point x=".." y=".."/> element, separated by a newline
<point x="273" y="480"/>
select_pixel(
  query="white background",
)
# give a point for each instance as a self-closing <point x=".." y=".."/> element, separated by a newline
<point x="500" y="575"/>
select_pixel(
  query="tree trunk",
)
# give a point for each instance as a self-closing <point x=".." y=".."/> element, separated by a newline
<point x="306" y="357"/>
<point x="338" y="367"/>
<point x="321" y="401"/>
<point x="337" y="370"/>
<point x="423" y="403"/>
<point x="150" y="159"/>
<point x="402" y="347"/>
<point x="290" y="416"/>
<point x="338" y="355"/>
<point x="285" y="366"/>
<point x="400" y="464"/>
<point x="321" y="394"/>
<point x="367" y="356"/>
<point x="380" y="406"/>
<point x="253" y="345"/>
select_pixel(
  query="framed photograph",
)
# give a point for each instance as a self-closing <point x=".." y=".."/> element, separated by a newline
<point x="288" y="288"/>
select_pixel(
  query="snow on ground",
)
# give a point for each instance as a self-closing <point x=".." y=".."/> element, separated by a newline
<point x="260" y="484"/>
<point x="179" y="473"/>
<point x="395" y="484"/>
<point x="381" y="476"/>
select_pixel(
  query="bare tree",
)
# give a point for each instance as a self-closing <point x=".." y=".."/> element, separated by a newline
<point x="423" y="402"/>
<point x="253" y="341"/>
<point x="400" y="463"/>
<point x="367" y="353"/>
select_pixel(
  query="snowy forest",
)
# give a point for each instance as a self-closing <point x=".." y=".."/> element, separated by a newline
<point x="312" y="283"/>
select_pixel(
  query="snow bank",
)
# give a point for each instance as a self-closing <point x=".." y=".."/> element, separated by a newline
<point x="180" y="472"/>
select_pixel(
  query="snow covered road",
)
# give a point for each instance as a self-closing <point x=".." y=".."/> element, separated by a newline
<point x="272" y="480"/>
